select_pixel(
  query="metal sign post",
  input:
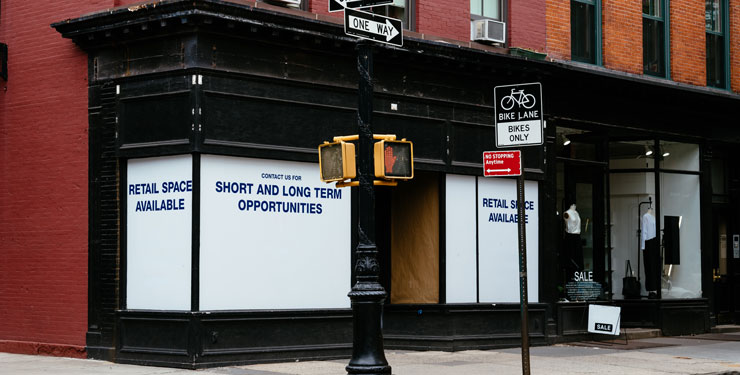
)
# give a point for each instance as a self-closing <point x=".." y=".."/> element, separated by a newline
<point x="523" y="298"/>
<point x="519" y="121"/>
<point x="509" y="163"/>
<point x="367" y="295"/>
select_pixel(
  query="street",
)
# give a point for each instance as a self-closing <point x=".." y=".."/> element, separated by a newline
<point x="715" y="353"/>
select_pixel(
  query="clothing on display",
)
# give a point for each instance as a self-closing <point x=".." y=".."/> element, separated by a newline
<point x="647" y="228"/>
<point x="672" y="239"/>
<point x="651" y="251"/>
<point x="572" y="220"/>
<point x="651" y="257"/>
<point x="572" y="242"/>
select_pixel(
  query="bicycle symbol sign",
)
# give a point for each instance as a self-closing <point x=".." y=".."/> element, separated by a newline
<point x="519" y="118"/>
<point x="519" y="98"/>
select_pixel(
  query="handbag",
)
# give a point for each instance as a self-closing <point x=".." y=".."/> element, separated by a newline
<point x="630" y="285"/>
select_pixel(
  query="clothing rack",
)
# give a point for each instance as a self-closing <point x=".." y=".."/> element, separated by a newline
<point x="639" y="230"/>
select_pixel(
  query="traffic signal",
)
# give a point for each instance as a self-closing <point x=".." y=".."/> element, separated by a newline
<point x="337" y="161"/>
<point x="394" y="160"/>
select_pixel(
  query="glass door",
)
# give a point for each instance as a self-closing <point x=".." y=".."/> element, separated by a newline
<point x="581" y="205"/>
<point x="582" y="249"/>
<point x="723" y="272"/>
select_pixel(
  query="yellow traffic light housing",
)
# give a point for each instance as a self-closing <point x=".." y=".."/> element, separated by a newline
<point x="337" y="161"/>
<point x="394" y="160"/>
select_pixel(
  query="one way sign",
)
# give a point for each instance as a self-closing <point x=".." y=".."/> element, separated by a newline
<point x="373" y="27"/>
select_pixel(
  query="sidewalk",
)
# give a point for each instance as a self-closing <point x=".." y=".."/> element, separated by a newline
<point x="717" y="353"/>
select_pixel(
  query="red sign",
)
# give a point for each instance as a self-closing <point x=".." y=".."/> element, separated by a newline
<point x="502" y="163"/>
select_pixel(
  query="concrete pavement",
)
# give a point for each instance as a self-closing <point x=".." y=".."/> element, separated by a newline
<point x="703" y="354"/>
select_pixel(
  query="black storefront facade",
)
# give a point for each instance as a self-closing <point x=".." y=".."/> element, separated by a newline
<point x="185" y="93"/>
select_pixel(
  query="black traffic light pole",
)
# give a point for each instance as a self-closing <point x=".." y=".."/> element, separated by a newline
<point x="367" y="294"/>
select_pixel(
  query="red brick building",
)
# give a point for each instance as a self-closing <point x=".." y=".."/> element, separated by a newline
<point x="86" y="86"/>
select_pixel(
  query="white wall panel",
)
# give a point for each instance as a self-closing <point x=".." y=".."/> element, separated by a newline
<point x="282" y="240"/>
<point x="158" y="233"/>
<point x="460" y="235"/>
<point x="498" y="244"/>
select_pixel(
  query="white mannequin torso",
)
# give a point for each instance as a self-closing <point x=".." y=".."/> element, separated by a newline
<point x="572" y="220"/>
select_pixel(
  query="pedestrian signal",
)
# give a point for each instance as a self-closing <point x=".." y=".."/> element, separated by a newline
<point x="394" y="160"/>
<point x="337" y="161"/>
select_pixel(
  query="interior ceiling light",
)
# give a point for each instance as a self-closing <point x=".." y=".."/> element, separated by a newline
<point x="566" y="142"/>
<point x="648" y="150"/>
<point x="666" y="154"/>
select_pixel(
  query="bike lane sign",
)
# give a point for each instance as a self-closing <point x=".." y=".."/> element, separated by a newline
<point x="518" y="116"/>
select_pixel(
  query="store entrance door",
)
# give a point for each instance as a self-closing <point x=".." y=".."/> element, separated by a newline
<point x="584" y="188"/>
<point x="581" y="203"/>
<point x="726" y="269"/>
<point x="582" y="208"/>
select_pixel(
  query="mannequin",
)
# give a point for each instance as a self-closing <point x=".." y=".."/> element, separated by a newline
<point x="572" y="241"/>
<point x="572" y="220"/>
<point x="651" y="253"/>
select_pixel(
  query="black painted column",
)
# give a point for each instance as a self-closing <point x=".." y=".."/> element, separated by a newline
<point x="367" y="294"/>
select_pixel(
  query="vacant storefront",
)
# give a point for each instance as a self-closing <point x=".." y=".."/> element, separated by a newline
<point x="213" y="240"/>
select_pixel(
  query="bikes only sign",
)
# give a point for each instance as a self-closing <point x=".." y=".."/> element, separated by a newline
<point x="518" y="115"/>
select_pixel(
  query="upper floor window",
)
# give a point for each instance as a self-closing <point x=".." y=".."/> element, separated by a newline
<point x="716" y="44"/>
<point x="654" y="37"/>
<point x="298" y="4"/>
<point x="4" y="61"/>
<point x="585" y="31"/>
<point x="399" y="9"/>
<point x="486" y="9"/>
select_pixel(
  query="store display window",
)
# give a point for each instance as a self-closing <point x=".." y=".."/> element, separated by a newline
<point x="654" y="191"/>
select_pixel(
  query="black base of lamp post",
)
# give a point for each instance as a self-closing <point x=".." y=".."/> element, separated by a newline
<point x="367" y="349"/>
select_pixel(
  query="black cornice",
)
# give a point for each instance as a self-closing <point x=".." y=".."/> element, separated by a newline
<point x="243" y="18"/>
<point x="165" y="17"/>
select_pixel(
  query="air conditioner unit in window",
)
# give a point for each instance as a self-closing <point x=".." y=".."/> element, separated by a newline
<point x="488" y="30"/>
